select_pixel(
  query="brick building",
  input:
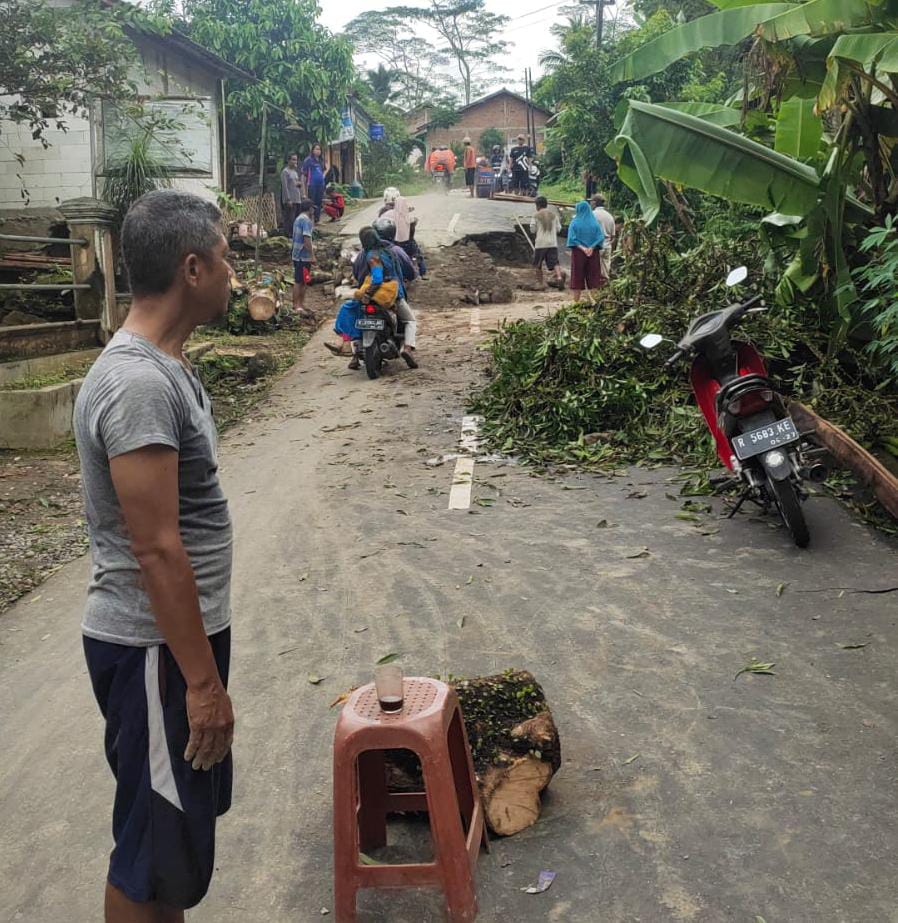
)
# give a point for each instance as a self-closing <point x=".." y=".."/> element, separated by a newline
<point x="503" y="110"/>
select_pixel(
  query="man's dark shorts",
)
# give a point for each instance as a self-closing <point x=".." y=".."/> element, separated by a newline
<point x="470" y="174"/>
<point x="547" y="255"/>
<point x="302" y="272"/>
<point x="163" y="820"/>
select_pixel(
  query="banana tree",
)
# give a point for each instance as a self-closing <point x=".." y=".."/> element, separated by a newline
<point x="807" y="205"/>
<point x="830" y="72"/>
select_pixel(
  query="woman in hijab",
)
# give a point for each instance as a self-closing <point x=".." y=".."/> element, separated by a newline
<point x="377" y="267"/>
<point x="405" y="232"/>
<point x="584" y="239"/>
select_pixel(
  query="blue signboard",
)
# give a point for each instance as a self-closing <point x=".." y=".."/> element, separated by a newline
<point x="376" y="132"/>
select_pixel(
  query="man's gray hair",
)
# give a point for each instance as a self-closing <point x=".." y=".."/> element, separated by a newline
<point x="160" y="230"/>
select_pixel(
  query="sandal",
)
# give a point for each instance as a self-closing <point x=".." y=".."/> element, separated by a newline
<point x="410" y="360"/>
<point x="336" y="350"/>
<point x="354" y="363"/>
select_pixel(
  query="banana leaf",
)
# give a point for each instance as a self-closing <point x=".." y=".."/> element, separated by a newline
<point x="656" y="141"/>
<point x="727" y="27"/>
<point x="716" y="113"/>
<point x="825" y="17"/>
<point x="798" y="129"/>
<point x="732" y="4"/>
<point x="875" y="53"/>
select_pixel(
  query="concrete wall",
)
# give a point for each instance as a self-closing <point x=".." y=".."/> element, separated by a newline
<point x="69" y="167"/>
<point x="37" y="419"/>
<point x="29" y="340"/>
<point x="507" y="113"/>
<point x="42" y="365"/>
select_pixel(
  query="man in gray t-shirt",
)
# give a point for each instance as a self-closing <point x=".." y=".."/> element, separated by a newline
<point x="157" y="622"/>
<point x="291" y="193"/>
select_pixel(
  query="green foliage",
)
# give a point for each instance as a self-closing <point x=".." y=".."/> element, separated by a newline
<point x="380" y="83"/>
<point x="384" y="163"/>
<point x="133" y="175"/>
<point x="577" y="85"/>
<point x="576" y="387"/>
<point x="489" y="137"/>
<point x="412" y="60"/>
<point x="879" y="284"/>
<point x="470" y="33"/>
<point x="54" y="61"/>
<point x="299" y="65"/>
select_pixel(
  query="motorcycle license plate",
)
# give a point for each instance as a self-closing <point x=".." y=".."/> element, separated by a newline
<point x="762" y="440"/>
<point x="371" y="323"/>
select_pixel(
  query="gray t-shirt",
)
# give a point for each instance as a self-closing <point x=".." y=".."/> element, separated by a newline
<point x="291" y="194"/>
<point x="134" y="396"/>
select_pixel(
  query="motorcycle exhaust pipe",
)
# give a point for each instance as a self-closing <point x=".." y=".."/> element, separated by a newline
<point x="817" y="473"/>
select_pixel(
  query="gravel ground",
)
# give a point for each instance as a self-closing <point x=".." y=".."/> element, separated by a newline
<point x="41" y="519"/>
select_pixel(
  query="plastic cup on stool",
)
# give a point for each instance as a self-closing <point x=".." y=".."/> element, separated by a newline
<point x="388" y="682"/>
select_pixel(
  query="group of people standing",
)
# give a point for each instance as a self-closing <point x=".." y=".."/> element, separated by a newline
<point x="590" y="239"/>
<point x="313" y="181"/>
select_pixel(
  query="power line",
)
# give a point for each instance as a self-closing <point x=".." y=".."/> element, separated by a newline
<point x="542" y="9"/>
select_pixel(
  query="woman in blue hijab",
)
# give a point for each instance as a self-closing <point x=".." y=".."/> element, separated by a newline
<point x="584" y="239"/>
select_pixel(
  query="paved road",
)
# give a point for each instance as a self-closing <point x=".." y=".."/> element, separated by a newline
<point x="443" y="219"/>
<point x="684" y="795"/>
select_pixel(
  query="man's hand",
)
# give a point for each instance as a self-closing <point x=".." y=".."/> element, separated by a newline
<point x="211" y="719"/>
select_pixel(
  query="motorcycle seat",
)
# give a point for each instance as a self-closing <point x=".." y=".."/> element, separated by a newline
<point x="741" y="386"/>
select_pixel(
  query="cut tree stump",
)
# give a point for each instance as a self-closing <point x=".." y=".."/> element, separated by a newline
<point x="850" y="454"/>
<point x="514" y="745"/>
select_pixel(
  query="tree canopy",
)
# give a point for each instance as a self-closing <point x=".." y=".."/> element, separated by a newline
<point x="303" y="69"/>
<point x="53" y="61"/>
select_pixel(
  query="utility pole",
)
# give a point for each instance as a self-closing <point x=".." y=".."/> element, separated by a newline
<point x="600" y="19"/>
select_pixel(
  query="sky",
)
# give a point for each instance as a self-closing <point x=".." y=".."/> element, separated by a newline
<point x="528" y="27"/>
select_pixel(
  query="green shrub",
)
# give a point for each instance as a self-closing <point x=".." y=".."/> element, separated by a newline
<point x="879" y="282"/>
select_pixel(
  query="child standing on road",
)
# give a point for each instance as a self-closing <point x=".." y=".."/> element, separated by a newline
<point x="303" y="254"/>
<point x="546" y="225"/>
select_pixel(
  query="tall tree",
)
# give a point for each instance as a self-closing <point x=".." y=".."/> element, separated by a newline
<point x="299" y="65"/>
<point x="415" y="62"/>
<point x="380" y="83"/>
<point x="470" y="33"/>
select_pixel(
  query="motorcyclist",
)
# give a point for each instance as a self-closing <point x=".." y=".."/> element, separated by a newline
<point x="386" y="231"/>
<point x="442" y="155"/>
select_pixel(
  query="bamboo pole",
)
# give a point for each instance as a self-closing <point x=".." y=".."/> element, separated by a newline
<point x="261" y="179"/>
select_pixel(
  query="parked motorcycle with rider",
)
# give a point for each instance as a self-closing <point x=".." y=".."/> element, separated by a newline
<point x="388" y="332"/>
<point x="755" y="437"/>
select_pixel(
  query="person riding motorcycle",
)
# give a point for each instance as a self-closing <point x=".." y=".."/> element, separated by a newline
<point x="441" y="156"/>
<point x="386" y="231"/>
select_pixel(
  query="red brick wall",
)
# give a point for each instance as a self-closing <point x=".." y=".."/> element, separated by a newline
<point x="506" y="113"/>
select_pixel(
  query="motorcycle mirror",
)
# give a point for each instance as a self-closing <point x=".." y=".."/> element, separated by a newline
<point x="651" y="340"/>
<point x="739" y="274"/>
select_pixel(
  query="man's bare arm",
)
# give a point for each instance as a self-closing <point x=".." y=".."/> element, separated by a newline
<point x="146" y="482"/>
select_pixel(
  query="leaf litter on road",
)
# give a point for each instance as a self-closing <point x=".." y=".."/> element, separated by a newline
<point x="757" y="666"/>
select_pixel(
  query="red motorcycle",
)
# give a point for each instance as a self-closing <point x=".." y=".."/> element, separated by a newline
<point x="756" y="438"/>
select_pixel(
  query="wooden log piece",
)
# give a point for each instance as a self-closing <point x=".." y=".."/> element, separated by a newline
<point x="514" y="745"/>
<point x="851" y="455"/>
<point x="262" y="303"/>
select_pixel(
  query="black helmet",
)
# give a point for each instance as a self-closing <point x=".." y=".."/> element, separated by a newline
<point x="385" y="227"/>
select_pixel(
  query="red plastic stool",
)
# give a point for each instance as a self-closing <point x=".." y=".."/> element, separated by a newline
<point x="430" y="725"/>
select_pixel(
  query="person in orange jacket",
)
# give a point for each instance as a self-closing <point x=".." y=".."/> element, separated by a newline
<point x="442" y="155"/>
<point x="470" y="166"/>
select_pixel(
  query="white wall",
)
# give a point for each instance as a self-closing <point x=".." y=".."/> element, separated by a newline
<point x="68" y="168"/>
<point x="63" y="171"/>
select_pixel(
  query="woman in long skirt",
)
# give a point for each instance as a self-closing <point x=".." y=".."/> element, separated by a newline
<point x="584" y="239"/>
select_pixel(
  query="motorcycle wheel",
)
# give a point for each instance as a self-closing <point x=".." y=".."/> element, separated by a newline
<point x="786" y="498"/>
<point x="373" y="360"/>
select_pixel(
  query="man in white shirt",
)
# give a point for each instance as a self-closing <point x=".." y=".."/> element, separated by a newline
<point x="546" y="225"/>
<point x="606" y="221"/>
